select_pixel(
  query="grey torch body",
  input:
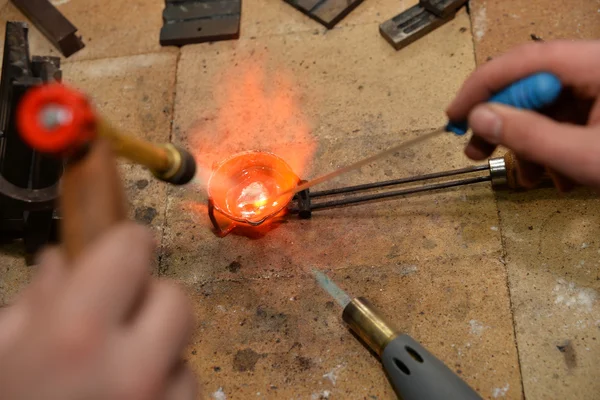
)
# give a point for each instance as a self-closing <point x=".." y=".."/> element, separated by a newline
<point x="414" y="372"/>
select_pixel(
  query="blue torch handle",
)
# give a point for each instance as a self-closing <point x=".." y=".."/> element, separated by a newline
<point x="531" y="93"/>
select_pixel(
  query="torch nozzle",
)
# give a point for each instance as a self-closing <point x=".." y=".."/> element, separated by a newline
<point x="368" y="323"/>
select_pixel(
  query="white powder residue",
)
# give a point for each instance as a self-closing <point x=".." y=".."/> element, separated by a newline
<point x="59" y="2"/>
<point x="219" y="395"/>
<point x="320" y="396"/>
<point x="480" y="22"/>
<point x="500" y="392"/>
<point x="408" y="270"/>
<point x="572" y="296"/>
<point x="333" y="374"/>
<point x="494" y="228"/>
<point x="477" y="327"/>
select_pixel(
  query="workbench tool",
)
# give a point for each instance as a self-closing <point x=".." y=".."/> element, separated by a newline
<point x="442" y="8"/>
<point x="60" y="121"/>
<point x="56" y="119"/>
<point x="502" y="172"/>
<point x="57" y="29"/>
<point x="531" y="93"/>
<point x="199" y="21"/>
<point x="326" y="12"/>
<point x="28" y="179"/>
<point x="414" y="372"/>
<point x="411" y="25"/>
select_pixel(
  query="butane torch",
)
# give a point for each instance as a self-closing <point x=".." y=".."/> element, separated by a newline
<point x="413" y="371"/>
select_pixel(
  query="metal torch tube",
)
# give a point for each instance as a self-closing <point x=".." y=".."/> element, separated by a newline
<point x="163" y="160"/>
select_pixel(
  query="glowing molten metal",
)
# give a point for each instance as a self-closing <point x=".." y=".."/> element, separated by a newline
<point x="246" y="187"/>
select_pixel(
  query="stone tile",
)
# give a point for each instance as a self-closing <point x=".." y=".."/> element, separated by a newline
<point x="350" y="83"/>
<point x="450" y="223"/>
<point x="3" y="3"/>
<point x="500" y="25"/>
<point x="284" y="338"/>
<point x="552" y="253"/>
<point x="14" y="273"/>
<point x="135" y="94"/>
<point x="108" y="28"/>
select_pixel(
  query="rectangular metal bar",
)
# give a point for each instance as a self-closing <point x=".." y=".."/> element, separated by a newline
<point x="191" y="10"/>
<point x="57" y="29"/>
<point x="442" y="8"/>
<point x="326" y="12"/>
<point x="199" y="21"/>
<point x="410" y="26"/>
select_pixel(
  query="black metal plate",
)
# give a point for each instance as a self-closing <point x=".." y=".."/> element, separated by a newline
<point x="326" y="12"/>
<point x="442" y="8"/>
<point x="410" y="26"/>
<point x="199" y="21"/>
<point x="57" y="29"/>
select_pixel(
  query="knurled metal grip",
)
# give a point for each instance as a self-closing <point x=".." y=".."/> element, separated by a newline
<point x="498" y="172"/>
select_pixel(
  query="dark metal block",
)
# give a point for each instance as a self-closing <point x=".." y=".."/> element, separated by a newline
<point x="57" y="29"/>
<point x="326" y="12"/>
<point x="199" y="21"/>
<point x="410" y="26"/>
<point x="442" y="8"/>
<point x="28" y="180"/>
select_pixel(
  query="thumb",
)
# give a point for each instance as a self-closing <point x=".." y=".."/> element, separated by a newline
<point x="569" y="149"/>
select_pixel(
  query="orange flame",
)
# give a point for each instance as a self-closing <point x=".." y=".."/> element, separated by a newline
<point x="255" y="113"/>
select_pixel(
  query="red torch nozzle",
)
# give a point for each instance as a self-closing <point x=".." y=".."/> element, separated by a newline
<point x="56" y="119"/>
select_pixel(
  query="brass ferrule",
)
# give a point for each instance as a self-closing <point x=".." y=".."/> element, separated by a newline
<point x="175" y="162"/>
<point x="366" y="321"/>
<point x="164" y="161"/>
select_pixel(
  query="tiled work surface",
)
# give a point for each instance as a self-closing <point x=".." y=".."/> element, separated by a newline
<point x="289" y="94"/>
<point x="500" y="25"/>
<point x="433" y="263"/>
<point x="551" y="244"/>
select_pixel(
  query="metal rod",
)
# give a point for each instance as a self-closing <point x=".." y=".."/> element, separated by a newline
<point x="139" y="151"/>
<point x="358" y="164"/>
<point x="403" y="192"/>
<point x="394" y="182"/>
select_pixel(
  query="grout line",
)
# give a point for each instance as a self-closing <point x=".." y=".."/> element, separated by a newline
<point x="510" y="299"/>
<point x="168" y="189"/>
<point x="303" y="272"/>
<point x="503" y="246"/>
<point x="64" y="60"/>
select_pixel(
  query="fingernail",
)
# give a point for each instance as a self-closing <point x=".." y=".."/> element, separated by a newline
<point x="486" y="123"/>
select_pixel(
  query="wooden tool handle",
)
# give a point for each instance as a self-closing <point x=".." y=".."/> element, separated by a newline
<point x="92" y="199"/>
<point x="513" y="170"/>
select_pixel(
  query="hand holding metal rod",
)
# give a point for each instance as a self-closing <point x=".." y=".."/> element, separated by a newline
<point x="531" y="93"/>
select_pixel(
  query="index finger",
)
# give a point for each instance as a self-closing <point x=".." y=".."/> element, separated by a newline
<point x="111" y="274"/>
<point x="576" y="64"/>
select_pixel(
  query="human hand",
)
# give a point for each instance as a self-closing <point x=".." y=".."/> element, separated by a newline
<point x="98" y="329"/>
<point x="565" y="139"/>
